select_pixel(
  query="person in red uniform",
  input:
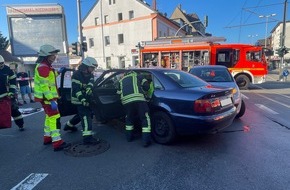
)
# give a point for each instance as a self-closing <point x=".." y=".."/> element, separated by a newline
<point x="45" y="92"/>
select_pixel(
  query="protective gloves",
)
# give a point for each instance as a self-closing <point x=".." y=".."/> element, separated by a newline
<point x="85" y="103"/>
<point x="89" y="91"/>
<point x="11" y="95"/>
<point x="53" y="105"/>
<point x="60" y="70"/>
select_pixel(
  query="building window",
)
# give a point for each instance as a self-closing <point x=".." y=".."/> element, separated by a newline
<point x="107" y="40"/>
<point x="106" y="19"/>
<point x="120" y="38"/>
<point x="91" y="42"/>
<point x="110" y="2"/>
<point x="108" y="63"/>
<point x="96" y="21"/>
<point x="122" y="62"/>
<point x="131" y="14"/>
<point x="120" y="16"/>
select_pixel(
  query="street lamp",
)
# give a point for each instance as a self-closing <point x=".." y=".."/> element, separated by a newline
<point x="252" y="36"/>
<point x="267" y="18"/>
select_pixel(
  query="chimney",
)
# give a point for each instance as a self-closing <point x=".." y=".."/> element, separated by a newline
<point x="154" y="4"/>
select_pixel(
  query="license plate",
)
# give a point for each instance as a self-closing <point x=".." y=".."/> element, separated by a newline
<point x="225" y="102"/>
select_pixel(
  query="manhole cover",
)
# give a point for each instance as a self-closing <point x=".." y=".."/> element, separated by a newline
<point x="81" y="150"/>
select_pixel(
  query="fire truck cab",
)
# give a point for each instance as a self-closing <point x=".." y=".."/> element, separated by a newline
<point x="246" y="62"/>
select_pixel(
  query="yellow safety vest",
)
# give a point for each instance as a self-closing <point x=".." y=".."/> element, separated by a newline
<point x="45" y="88"/>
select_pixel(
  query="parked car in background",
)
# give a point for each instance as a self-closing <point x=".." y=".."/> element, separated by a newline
<point x="181" y="103"/>
<point x="219" y="75"/>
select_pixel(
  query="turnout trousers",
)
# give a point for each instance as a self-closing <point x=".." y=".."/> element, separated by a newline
<point x="16" y="114"/>
<point x="85" y="113"/>
<point x="137" y="110"/>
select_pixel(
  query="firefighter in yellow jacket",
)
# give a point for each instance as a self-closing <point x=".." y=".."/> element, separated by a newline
<point x="45" y="92"/>
<point x="133" y="88"/>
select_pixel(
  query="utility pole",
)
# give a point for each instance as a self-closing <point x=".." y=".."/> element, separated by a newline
<point x="80" y="30"/>
<point x="283" y="41"/>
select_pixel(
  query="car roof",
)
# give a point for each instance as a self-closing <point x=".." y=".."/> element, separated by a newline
<point x="209" y="66"/>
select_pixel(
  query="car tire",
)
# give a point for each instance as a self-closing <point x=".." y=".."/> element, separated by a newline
<point x="242" y="110"/>
<point x="163" y="130"/>
<point x="243" y="82"/>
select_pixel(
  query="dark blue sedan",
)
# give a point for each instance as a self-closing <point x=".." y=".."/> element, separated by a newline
<point x="181" y="104"/>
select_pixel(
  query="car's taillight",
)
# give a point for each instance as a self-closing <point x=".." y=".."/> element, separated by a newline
<point x="206" y="106"/>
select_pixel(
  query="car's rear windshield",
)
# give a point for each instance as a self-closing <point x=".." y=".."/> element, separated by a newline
<point x="212" y="74"/>
<point x="184" y="79"/>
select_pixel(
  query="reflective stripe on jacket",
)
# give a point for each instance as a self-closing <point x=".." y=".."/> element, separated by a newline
<point x="131" y="88"/>
<point x="45" y="87"/>
<point x="7" y="81"/>
<point x="80" y="83"/>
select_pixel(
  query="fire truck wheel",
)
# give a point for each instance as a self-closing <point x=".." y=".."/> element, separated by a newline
<point x="243" y="82"/>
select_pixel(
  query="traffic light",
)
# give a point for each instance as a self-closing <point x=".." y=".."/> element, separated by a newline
<point x="75" y="48"/>
<point x="205" y="21"/>
<point x="282" y="51"/>
<point x="84" y="46"/>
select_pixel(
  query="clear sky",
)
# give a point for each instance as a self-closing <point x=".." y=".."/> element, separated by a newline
<point x="236" y="20"/>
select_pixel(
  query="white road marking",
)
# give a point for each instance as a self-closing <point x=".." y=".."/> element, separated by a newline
<point x="244" y="96"/>
<point x="287" y="106"/>
<point x="30" y="181"/>
<point x="266" y="109"/>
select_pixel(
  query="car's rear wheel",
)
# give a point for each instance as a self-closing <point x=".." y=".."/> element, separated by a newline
<point x="163" y="130"/>
<point x="242" y="110"/>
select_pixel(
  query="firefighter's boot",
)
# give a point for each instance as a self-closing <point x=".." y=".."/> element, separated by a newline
<point x="146" y="139"/>
<point x="129" y="135"/>
<point x="90" y="140"/>
<point x="69" y="128"/>
<point x="60" y="145"/>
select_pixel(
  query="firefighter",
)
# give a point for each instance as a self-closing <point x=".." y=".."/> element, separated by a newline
<point x="45" y="92"/>
<point x="132" y="88"/>
<point x="71" y="124"/>
<point x="82" y="84"/>
<point x="8" y="90"/>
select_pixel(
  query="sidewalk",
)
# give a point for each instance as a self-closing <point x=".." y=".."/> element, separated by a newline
<point x="273" y="75"/>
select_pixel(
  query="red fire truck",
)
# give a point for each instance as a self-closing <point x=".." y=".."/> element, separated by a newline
<point x="247" y="63"/>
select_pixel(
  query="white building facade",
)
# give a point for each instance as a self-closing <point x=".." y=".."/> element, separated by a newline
<point x="113" y="29"/>
<point x="276" y="35"/>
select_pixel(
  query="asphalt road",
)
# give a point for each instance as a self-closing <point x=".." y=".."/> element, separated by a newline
<point x="253" y="153"/>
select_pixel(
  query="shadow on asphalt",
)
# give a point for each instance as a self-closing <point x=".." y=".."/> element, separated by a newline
<point x="270" y="85"/>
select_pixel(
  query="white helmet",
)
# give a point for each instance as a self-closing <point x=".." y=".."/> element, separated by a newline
<point x="46" y="50"/>
<point x="1" y="59"/>
<point x="90" y="62"/>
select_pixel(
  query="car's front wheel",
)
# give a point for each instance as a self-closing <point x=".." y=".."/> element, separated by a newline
<point x="163" y="130"/>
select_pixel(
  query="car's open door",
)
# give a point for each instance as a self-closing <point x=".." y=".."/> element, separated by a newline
<point x="65" y="106"/>
<point x="106" y="102"/>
